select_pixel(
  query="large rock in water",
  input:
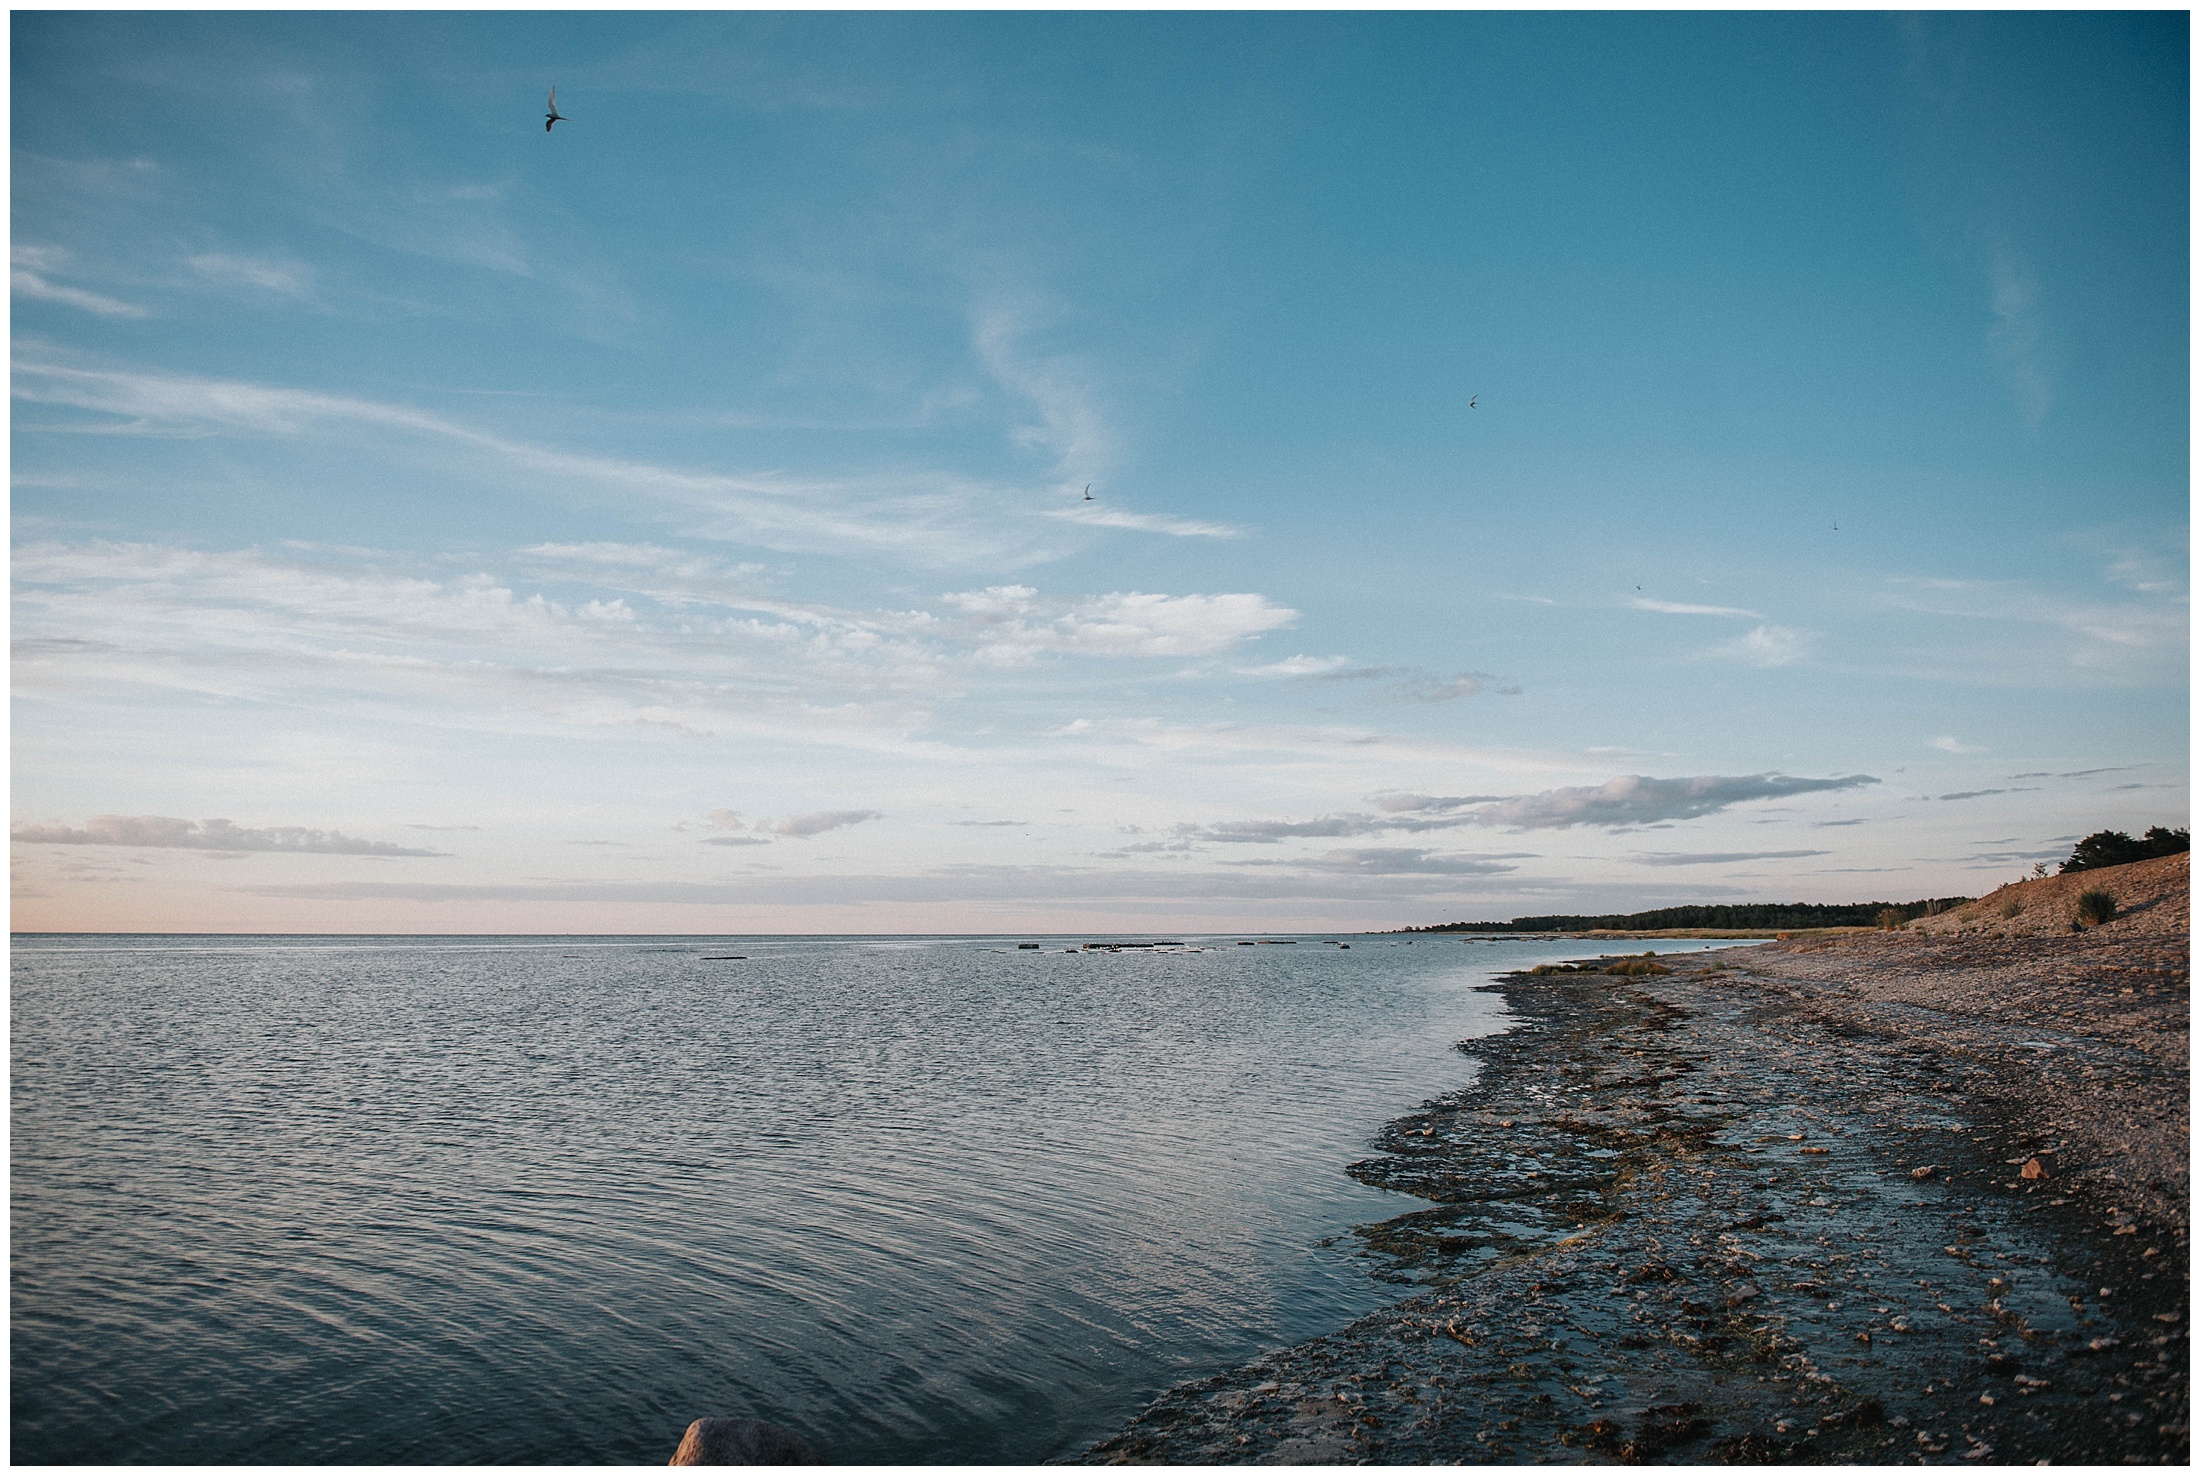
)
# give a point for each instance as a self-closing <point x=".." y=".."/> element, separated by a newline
<point x="721" y="1442"/>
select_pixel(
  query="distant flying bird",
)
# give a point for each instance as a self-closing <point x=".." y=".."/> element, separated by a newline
<point x="555" y="117"/>
<point x="1088" y="491"/>
<point x="1471" y="400"/>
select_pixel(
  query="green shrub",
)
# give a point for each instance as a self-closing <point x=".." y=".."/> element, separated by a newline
<point x="2095" y="907"/>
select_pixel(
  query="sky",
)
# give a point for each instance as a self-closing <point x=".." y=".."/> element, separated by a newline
<point x="1538" y="464"/>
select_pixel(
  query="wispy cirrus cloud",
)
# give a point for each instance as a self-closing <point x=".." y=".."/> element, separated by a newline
<point x="1429" y="687"/>
<point x="1009" y="885"/>
<point x="2106" y="634"/>
<point x="1400" y="802"/>
<point x="1669" y="607"/>
<point x="1323" y="668"/>
<point x="1138" y="522"/>
<point x="1399" y="861"/>
<point x="1767" y="645"/>
<point x="1071" y="426"/>
<point x="1059" y="387"/>
<point x="25" y="282"/>
<point x="1406" y="683"/>
<point x="283" y="278"/>
<point x="1270" y="832"/>
<point x="2019" y="334"/>
<point x="931" y="518"/>
<point x="168" y="833"/>
<point x="934" y="518"/>
<point x="1715" y="858"/>
<point x="1013" y="623"/>
<point x="803" y="827"/>
<point x="34" y="265"/>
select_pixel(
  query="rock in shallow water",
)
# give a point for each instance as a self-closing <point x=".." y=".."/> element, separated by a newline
<point x="726" y="1442"/>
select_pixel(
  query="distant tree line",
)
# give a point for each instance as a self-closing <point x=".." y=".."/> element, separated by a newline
<point x="2114" y="848"/>
<point x="1736" y="915"/>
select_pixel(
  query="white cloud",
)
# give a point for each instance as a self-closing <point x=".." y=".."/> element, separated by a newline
<point x="680" y="643"/>
<point x="1668" y="607"/>
<point x="349" y="630"/>
<point x="1767" y="645"/>
<point x="168" y="833"/>
<point x="1949" y="743"/>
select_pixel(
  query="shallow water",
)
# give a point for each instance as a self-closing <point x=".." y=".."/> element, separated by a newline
<point x="547" y="1200"/>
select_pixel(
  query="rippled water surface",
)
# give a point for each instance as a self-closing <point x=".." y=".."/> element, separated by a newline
<point x="547" y="1200"/>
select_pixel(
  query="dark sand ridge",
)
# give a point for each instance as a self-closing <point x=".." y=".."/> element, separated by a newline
<point x="1679" y="1218"/>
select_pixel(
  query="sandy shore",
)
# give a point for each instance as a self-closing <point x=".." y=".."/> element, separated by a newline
<point x="1772" y="1206"/>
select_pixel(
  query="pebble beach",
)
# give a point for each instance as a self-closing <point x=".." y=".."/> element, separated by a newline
<point x="1916" y="1196"/>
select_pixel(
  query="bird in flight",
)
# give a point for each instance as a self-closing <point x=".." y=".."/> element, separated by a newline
<point x="1471" y="399"/>
<point x="555" y="117"/>
<point x="1088" y="491"/>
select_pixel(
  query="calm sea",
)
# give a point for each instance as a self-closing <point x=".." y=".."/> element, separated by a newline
<point x="547" y="1200"/>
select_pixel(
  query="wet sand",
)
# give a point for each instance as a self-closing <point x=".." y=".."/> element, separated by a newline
<point x="1772" y="1206"/>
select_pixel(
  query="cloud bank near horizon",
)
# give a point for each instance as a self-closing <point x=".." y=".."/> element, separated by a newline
<point x="163" y="832"/>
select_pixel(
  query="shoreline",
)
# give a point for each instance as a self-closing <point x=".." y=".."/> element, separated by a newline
<point x="1679" y="1217"/>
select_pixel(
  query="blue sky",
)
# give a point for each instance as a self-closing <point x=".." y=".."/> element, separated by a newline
<point x="674" y="522"/>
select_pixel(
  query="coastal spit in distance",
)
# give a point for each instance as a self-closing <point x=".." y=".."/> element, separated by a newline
<point x="1917" y="1194"/>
